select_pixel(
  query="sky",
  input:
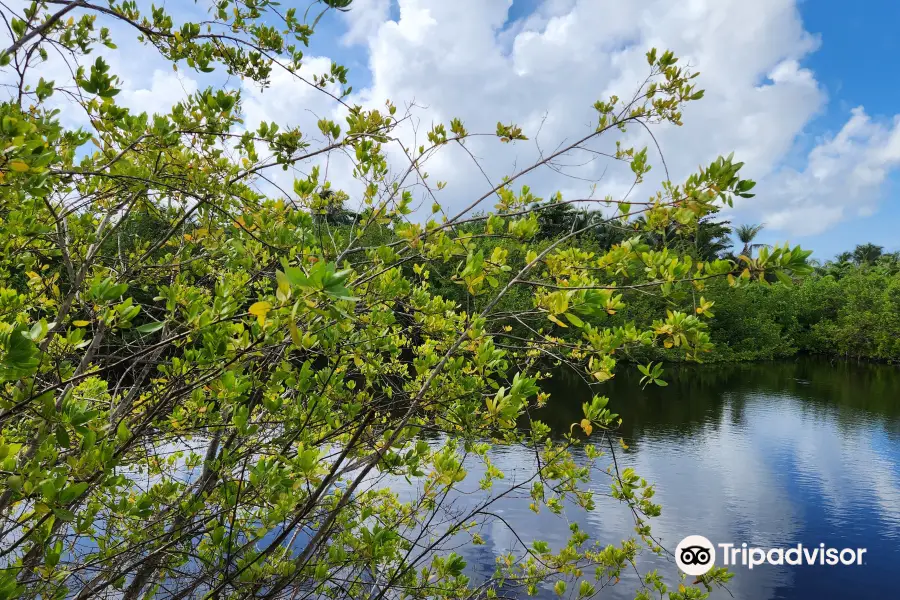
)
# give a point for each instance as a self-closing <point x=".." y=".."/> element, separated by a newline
<point x="802" y="91"/>
<point x="821" y="137"/>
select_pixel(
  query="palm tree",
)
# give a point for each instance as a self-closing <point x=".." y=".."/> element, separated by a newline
<point x="709" y="241"/>
<point x="556" y="220"/>
<point x="844" y="257"/>
<point x="712" y="238"/>
<point x="746" y="234"/>
<point x="867" y="253"/>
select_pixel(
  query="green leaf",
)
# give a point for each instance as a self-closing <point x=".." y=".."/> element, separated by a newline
<point x="122" y="431"/>
<point x="218" y="534"/>
<point x="574" y="319"/>
<point x="89" y="438"/>
<point x="18" y="354"/>
<point x="783" y="277"/>
<point x="64" y="515"/>
<point x="62" y="436"/>
<point x="73" y="491"/>
<point x="14" y="482"/>
<point x="48" y="490"/>
<point x="295" y="276"/>
<point x="81" y="418"/>
<point x="150" y="327"/>
<point x="343" y="296"/>
<point x="108" y="291"/>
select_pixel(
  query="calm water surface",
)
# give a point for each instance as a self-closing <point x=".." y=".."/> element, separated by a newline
<point x="771" y="454"/>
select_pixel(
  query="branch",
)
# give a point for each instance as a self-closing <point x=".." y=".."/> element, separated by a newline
<point x="40" y="30"/>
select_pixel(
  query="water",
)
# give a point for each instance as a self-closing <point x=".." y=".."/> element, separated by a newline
<point x="771" y="454"/>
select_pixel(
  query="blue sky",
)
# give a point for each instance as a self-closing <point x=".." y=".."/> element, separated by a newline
<point x="801" y="90"/>
<point x="852" y="64"/>
<point x="857" y="63"/>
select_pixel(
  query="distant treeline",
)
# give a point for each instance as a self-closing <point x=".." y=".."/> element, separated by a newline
<point x="849" y="307"/>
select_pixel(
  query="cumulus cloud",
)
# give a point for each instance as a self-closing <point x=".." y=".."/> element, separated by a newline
<point x="842" y="178"/>
<point x="149" y="84"/>
<point x="164" y="89"/>
<point x="288" y="101"/>
<point x="543" y="70"/>
<point x="365" y="19"/>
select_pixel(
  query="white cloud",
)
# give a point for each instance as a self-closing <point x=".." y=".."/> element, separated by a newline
<point x="463" y="59"/>
<point x="842" y="178"/>
<point x="545" y="70"/>
<point x="164" y="89"/>
<point x="364" y="19"/>
<point x="288" y="101"/>
<point x="147" y="83"/>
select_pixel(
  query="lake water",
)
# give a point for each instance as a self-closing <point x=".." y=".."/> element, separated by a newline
<point x="771" y="454"/>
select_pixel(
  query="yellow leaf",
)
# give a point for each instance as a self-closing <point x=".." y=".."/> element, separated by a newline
<point x="81" y="323"/>
<point x="18" y="165"/>
<point x="587" y="427"/>
<point x="295" y="334"/>
<point x="260" y="310"/>
<point x="557" y="321"/>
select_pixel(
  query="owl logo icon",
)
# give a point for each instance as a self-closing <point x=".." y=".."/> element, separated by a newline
<point x="695" y="555"/>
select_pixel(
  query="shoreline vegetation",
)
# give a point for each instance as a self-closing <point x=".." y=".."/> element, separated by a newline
<point x="847" y="307"/>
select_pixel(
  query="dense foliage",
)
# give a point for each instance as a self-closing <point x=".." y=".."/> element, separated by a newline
<point x="207" y="385"/>
<point x="848" y="307"/>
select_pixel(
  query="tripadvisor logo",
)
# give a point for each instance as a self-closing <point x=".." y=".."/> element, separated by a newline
<point x="696" y="555"/>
